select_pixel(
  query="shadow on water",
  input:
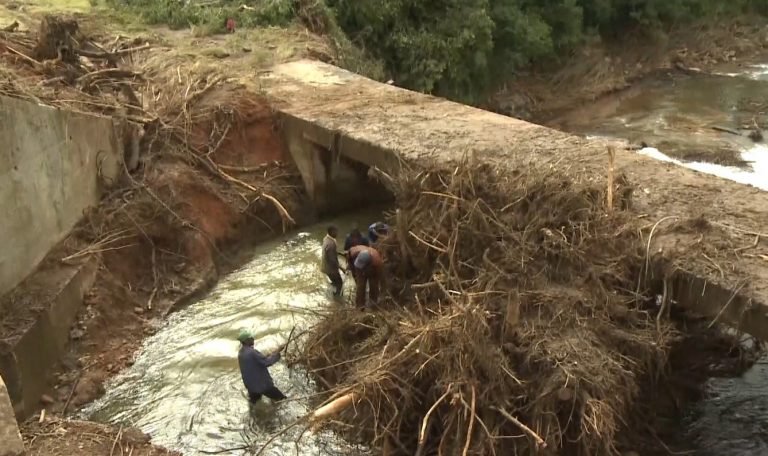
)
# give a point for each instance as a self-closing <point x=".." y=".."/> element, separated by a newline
<point x="733" y="419"/>
<point x="185" y="388"/>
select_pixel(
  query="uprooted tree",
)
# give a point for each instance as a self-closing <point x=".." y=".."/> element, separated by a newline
<point x="515" y="323"/>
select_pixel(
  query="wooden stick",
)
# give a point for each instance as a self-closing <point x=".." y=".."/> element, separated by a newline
<point x="539" y="441"/>
<point x="334" y="407"/>
<point x="609" y="192"/>
<point x="471" y="424"/>
<point x="425" y="422"/>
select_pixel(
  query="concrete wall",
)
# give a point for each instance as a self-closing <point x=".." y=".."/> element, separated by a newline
<point x="50" y="163"/>
<point x="10" y="438"/>
<point x="333" y="167"/>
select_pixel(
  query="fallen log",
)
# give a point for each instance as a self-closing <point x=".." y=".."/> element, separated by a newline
<point x="334" y="407"/>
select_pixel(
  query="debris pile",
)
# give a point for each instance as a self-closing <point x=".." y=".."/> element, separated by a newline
<point x="515" y="323"/>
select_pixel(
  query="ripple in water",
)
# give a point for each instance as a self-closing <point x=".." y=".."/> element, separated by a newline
<point x="185" y="388"/>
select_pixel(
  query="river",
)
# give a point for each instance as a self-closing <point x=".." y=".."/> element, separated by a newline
<point x="184" y="388"/>
<point x="677" y="115"/>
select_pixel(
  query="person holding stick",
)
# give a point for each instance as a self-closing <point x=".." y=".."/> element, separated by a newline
<point x="254" y="369"/>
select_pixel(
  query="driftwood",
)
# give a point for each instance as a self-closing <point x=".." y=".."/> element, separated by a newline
<point x="727" y="130"/>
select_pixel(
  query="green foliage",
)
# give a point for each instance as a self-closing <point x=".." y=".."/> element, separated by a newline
<point x="210" y="17"/>
<point x="454" y="48"/>
<point x="457" y="48"/>
<point x="437" y="46"/>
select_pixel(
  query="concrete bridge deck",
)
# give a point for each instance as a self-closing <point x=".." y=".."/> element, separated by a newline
<point x="724" y="263"/>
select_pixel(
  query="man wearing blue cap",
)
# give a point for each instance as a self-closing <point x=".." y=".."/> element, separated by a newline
<point x="377" y="230"/>
<point x="254" y="368"/>
<point x="368" y="270"/>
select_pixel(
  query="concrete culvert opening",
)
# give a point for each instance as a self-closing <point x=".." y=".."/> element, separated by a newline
<point x="514" y="322"/>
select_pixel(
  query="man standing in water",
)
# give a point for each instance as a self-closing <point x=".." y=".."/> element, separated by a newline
<point x="368" y="270"/>
<point x="330" y="261"/>
<point x="254" y="368"/>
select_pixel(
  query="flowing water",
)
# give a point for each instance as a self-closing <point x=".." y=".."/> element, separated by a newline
<point x="185" y="389"/>
<point x="733" y="420"/>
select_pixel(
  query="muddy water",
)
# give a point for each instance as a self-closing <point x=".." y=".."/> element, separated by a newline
<point x="185" y="388"/>
<point x="676" y="116"/>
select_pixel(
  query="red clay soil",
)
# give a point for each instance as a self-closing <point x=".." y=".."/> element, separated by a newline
<point x="252" y="141"/>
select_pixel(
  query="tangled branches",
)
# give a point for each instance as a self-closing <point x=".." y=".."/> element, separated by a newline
<point x="512" y="327"/>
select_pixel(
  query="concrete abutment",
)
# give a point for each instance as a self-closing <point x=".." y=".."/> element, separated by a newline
<point x="385" y="126"/>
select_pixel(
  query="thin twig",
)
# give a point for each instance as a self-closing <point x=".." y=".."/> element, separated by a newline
<point x="722" y="311"/>
<point x="539" y="441"/>
<point x="425" y="422"/>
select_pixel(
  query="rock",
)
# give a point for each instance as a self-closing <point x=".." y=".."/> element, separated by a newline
<point x="46" y="399"/>
<point x="138" y="310"/>
<point x="11" y="445"/>
<point x="76" y="334"/>
<point x="756" y="135"/>
<point x="133" y="436"/>
<point x="87" y="390"/>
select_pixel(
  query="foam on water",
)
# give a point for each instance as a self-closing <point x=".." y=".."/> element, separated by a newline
<point x="756" y="175"/>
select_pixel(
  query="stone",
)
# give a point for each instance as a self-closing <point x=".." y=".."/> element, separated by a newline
<point x="133" y="436"/>
<point x="12" y="444"/>
<point x="138" y="310"/>
<point x="76" y="334"/>
<point x="46" y="399"/>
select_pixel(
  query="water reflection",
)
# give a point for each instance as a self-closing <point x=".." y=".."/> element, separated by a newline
<point x="185" y="388"/>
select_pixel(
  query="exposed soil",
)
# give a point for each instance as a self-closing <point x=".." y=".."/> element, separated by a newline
<point x="210" y="183"/>
<point x="55" y="437"/>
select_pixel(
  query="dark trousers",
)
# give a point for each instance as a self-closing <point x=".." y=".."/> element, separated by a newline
<point x="336" y="282"/>
<point x="271" y="392"/>
<point x="372" y="281"/>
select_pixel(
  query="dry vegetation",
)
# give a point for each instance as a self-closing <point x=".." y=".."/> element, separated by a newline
<point x="516" y="322"/>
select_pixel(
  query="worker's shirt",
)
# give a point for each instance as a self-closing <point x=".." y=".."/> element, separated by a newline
<point x="254" y="369"/>
<point x="376" y="268"/>
<point x="330" y="261"/>
<point x="350" y="242"/>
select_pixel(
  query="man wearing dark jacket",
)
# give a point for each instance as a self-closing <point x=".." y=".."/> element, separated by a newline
<point x="254" y="368"/>
<point x="355" y="237"/>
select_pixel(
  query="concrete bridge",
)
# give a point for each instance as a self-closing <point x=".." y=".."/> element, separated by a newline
<point x="333" y="118"/>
